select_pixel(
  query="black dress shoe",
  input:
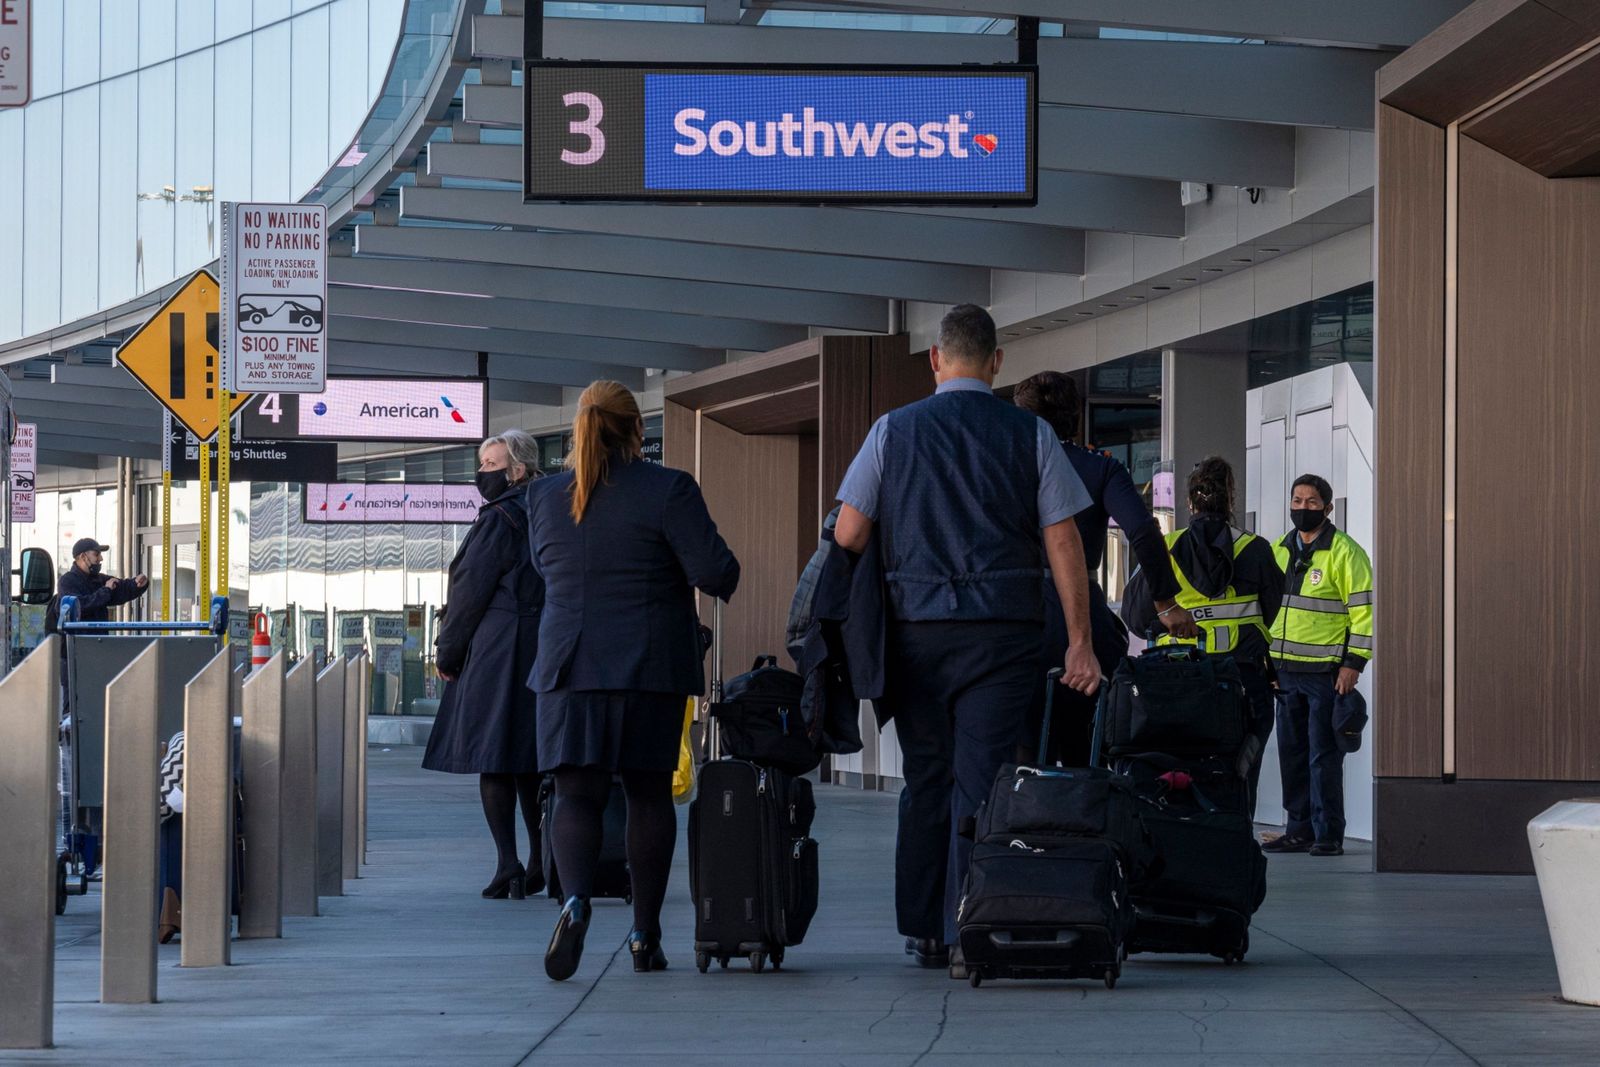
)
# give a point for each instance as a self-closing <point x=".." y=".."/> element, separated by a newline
<point x="647" y="954"/>
<point x="566" y="942"/>
<point x="1328" y="848"/>
<point x="930" y="952"/>
<point x="507" y="883"/>
<point x="1288" y="843"/>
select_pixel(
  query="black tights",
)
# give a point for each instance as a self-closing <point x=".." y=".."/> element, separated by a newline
<point x="500" y="793"/>
<point x="581" y="795"/>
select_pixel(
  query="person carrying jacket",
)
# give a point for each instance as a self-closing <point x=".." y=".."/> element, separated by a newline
<point x="1321" y="641"/>
<point x="1230" y="584"/>
<point x="1053" y="396"/>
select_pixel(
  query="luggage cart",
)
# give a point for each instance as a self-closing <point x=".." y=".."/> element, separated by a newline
<point x="79" y="854"/>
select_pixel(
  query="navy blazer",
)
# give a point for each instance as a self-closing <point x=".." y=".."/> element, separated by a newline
<point x="619" y="609"/>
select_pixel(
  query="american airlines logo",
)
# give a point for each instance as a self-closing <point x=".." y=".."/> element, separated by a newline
<point x="809" y="136"/>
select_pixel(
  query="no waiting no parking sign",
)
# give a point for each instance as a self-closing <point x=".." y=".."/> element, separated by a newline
<point x="275" y="297"/>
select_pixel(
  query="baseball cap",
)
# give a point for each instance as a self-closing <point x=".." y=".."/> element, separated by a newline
<point x="88" y="544"/>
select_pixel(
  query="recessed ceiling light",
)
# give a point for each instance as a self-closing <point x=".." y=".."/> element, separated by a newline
<point x="1162" y="288"/>
<point x="1135" y="296"/>
<point x="1268" y="251"/>
<point x="1108" y="305"/>
<point x="1186" y="279"/>
<point x="1246" y="260"/>
<point x="1035" y="327"/>
<point x="1086" y="313"/>
<point x="1064" y="320"/>
<point x="1010" y="334"/>
<point x="1213" y="270"/>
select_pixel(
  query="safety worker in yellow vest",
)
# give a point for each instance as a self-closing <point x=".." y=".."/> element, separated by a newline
<point x="1230" y="584"/>
<point x="1321" y="640"/>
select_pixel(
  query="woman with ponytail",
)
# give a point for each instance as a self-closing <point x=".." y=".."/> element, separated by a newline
<point x="1230" y="583"/>
<point x="621" y="543"/>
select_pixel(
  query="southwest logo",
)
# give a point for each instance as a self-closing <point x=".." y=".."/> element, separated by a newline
<point x="810" y="136"/>
<point x="988" y="142"/>
<point x="454" y="414"/>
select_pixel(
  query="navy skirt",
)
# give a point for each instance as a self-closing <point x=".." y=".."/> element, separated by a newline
<point x="614" y="729"/>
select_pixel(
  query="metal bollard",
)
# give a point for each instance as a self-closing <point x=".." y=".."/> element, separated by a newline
<point x="208" y="820"/>
<point x="366" y="710"/>
<point x="261" y="777"/>
<point x="330" y="779"/>
<point x="132" y="826"/>
<point x="298" y="859"/>
<point x="29" y="763"/>
<point x="354" y="745"/>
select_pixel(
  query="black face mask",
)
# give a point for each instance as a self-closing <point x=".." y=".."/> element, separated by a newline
<point x="492" y="484"/>
<point x="1307" y="519"/>
<point x="94" y="568"/>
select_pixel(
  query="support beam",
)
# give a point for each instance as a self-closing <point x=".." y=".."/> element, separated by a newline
<point x="438" y="352"/>
<point x="137" y="421"/>
<point x="432" y="334"/>
<point x="538" y="316"/>
<point x="1139" y="144"/>
<point x="1096" y="201"/>
<point x="937" y="283"/>
<point x="135" y="403"/>
<point x="1014" y="245"/>
<point x="759" y="303"/>
<point x="1298" y="86"/>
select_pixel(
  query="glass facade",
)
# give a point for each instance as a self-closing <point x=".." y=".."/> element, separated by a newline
<point x="147" y="113"/>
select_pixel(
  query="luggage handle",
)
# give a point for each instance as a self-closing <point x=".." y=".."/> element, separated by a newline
<point x="1150" y="637"/>
<point x="713" y="733"/>
<point x="1052" y="679"/>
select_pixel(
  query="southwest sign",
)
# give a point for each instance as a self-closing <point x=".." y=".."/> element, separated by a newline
<point x="778" y="134"/>
<point x="175" y="356"/>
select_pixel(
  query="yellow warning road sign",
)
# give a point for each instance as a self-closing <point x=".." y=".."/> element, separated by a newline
<point x="175" y="356"/>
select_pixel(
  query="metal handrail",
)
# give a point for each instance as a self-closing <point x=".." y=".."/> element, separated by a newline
<point x="217" y="624"/>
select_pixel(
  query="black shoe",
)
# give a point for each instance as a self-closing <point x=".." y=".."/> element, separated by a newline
<point x="930" y="952"/>
<point x="566" y="942"/>
<point x="647" y="954"/>
<point x="1288" y="843"/>
<point x="1328" y="848"/>
<point x="507" y="883"/>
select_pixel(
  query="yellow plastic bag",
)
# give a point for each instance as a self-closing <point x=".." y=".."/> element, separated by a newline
<point x="683" y="777"/>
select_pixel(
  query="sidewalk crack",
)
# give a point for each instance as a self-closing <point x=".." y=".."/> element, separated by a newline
<point x="944" y="1017"/>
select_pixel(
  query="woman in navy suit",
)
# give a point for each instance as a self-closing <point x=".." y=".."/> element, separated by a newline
<point x="621" y="544"/>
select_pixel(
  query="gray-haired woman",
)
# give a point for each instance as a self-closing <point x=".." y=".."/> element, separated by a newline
<point x="485" y="650"/>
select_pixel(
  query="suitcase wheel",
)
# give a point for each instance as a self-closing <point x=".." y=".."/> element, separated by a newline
<point x="777" y="959"/>
<point x="1111" y="978"/>
<point x="724" y="962"/>
<point x="758" y="962"/>
<point x="702" y="960"/>
<point x="974" y="979"/>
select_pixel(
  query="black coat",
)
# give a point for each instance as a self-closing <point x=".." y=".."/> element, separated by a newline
<point x="95" y="601"/>
<point x="489" y="641"/>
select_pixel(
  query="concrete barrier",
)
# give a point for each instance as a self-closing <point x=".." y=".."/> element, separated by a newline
<point x="364" y="735"/>
<point x="355" y="744"/>
<point x="132" y="823"/>
<point x="299" y="855"/>
<point x="29" y="763"/>
<point x="208" y="814"/>
<point x="1565" y="840"/>
<point x="261" y="781"/>
<point x="330" y="779"/>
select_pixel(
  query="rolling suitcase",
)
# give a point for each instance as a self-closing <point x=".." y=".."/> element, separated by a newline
<point x="752" y="863"/>
<point x="1047" y="891"/>
<point x="611" y="873"/>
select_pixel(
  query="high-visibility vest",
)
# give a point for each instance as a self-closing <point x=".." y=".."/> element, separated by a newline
<point x="1222" y="618"/>
<point x="1330" y="615"/>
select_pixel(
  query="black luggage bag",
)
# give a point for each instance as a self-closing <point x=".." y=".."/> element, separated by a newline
<point x="611" y="877"/>
<point x="760" y="717"/>
<point x="1178" y="700"/>
<point x="753" y="872"/>
<point x="1046" y="894"/>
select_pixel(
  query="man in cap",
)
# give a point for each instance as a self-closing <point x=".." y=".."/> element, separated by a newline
<point x="97" y="593"/>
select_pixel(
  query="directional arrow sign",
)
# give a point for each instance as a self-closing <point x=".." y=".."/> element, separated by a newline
<point x="175" y="356"/>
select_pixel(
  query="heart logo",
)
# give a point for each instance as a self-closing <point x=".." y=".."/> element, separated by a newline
<point x="987" y="141"/>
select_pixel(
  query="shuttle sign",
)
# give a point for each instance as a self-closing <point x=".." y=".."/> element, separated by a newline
<point x="275" y="297"/>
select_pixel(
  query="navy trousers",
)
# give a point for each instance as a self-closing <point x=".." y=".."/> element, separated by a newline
<point x="1311" y="761"/>
<point x="958" y="692"/>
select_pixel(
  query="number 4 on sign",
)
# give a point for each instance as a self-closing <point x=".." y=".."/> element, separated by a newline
<point x="272" y="407"/>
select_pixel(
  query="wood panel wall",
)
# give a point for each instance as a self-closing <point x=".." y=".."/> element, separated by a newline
<point x="1409" y="551"/>
<point x="1527" y="666"/>
<point x="846" y="407"/>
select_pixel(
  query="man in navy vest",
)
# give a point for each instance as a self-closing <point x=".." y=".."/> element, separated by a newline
<point x="972" y="498"/>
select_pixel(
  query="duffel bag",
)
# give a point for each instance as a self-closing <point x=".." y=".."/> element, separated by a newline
<point x="1176" y="700"/>
<point x="761" y="718"/>
<point x="1049" y="803"/>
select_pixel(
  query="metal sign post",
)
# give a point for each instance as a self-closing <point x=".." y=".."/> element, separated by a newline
<point x="224" y="455"/>
<point x="168" y="593"/>
<point x="203" y="576"/>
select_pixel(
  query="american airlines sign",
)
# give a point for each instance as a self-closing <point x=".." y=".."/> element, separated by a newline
<point x="363" y="502"/>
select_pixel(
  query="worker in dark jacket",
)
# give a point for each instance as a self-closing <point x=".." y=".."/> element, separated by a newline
<point x="486" y="724"/>
<point x="97" y="593"/>
<point x="622" y="544"/>
<point x="1230" y="583"/>
<point x="1053" y="397"/>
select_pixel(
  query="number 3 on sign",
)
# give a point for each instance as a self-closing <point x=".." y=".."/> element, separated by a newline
<point x="588" y="126"/>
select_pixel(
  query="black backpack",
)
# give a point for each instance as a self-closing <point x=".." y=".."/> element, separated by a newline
<point x="762" y="719"/>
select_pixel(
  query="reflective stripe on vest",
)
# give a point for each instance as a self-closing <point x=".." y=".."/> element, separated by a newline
<point x="1314" y="603"/>
<point x="1301" y="650"/>
<point x="1359" y="600"/>
<point x="1222" y="618"/>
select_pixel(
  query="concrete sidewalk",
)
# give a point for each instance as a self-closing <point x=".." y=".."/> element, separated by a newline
<point x="1345" y="967"/>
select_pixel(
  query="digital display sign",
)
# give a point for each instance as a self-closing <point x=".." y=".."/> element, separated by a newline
<point x="374" y="409"/>
<point x="362" y="502"/>
<point x="798" y="135"/>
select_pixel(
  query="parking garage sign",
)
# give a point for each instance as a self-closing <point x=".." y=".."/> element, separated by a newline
<point x="275" y="297"/>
